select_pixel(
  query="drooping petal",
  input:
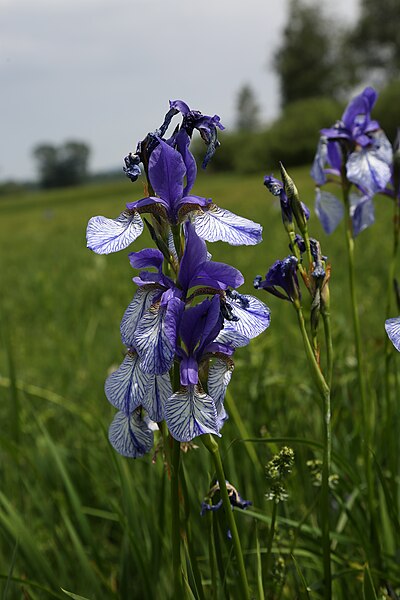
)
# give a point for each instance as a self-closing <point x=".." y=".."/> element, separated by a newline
<point x="320" y="159"/>
<point x="155" y="336"/>
<point x="368" y="169"/>
<point x="329" y="210"/>
<point x="392" y="327"/>
<point x="111" y="235"/>
<point x="166" y="173"/>
<point x="191" y="412"/>
<point x="126" y="387"/>
<point x="142" y="300"/>
<point x="130" y="435"/>
<point x="159" y="389"/>
<point x="230" y="337"/>
<point x="219" y="376"/>
<point x="218" y="224"/>
<point x="362" y="212"/>
<point x="253" y="315"/>
<point x="217" y="275"/>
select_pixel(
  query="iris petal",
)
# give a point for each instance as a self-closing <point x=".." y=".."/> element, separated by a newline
<point x="126" y="387"/>
<point x="141" y="302"/>
<point x="368" y="169"/>
<point x="159" y="389"/>
<point x="219" y="376"/>
<point x="191" y="412"/>
<point x="111" y="235"/>
<point x="362" y="212"/>
<point x="253" y="315"/>
<point x="392" y="327"/>
<point x="155" y="336"/>
<point x="130" y="435"/>
<point x="218" y="224"/>
<point x="329" y="210"/>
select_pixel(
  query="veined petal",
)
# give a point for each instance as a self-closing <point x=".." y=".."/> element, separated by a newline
<point x="368" y="169"/>
<point x="126" y="387"/>
<point x="189" y="413"/>
<point x="320" y="159"/>
<point x="142" y="300"/>
<point x="155" y="336"/>
<point x="218" y="224"/>
<point x="362" y="212"/>
<point x="329" y="210"/>
<point x="130" y="435"/>
<point x="219" y="376"/>
<point x="159" y="389"/>
<point x="253" y="315"/>
<point x="230" y="337"/>
<point x="110" y="235"/>
<point x="392" y="327"/>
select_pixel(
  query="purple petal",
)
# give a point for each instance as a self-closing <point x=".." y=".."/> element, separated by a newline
<point x="217" y="224"/>
<point x="126" y="387"/>
<point x="180" y="105"/>
<point x="219" y="376"/>
<point x="195" y="254"/>
<point x="189" y="413"/>
<point x="182" y="145"/>
<point x="145" y="203"/>
<point x="217" y="275"/>
<point x="201" y="324"/>
<point x="166" y="173"/>
<point x="320" y="159"/>
<point x="329" y="210"/>
<point x="361" y="105"/>
<point x="155" y="336"/>
<point x="148" y="257"/>
<point x="368" y="169"/>
<point x="110" y="235"/>
<point x="253" y="315"/>
<point x="158" y="391"/>
<point x="362" y="212"/>
<point x="392" y="327"/>
<point x="141" y="302"/>
<point x="130" y="435"/>
<point x="189" y="371"/>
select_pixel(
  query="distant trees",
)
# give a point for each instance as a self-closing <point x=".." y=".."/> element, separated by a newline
<point x="62" y="166"/>
<point x="306" y="62"/>
<point x="248" y="110"/>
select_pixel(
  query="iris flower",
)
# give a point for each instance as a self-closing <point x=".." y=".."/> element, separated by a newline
<point x="357" y="145"/>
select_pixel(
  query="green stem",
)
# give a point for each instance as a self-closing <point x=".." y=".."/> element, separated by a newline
<point x="324" y="391"/>
<point x="329" y="347"/>
<point x="270" y="539"/>
<point x="212" y="447"/>
<point x="242" y="429"/>
<point x="176" y="533"/>
<point x="366" y="407"/>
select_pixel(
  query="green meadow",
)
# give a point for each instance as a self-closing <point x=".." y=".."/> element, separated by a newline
<point x="76" y="516"/>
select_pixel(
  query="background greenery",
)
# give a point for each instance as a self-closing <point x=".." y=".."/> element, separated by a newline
<point x="73" y="514"/>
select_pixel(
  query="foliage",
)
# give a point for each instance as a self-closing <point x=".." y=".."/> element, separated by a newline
<point x="73" y="515"/>
<point x="62" y="166"/>
<point x="307" y="60"/>
<point x="248" y="111"/>
<point x="387" y="109"/>
<point x="374" y="42"/>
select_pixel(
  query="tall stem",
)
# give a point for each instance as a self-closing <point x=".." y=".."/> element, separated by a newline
<point x="324" y="392"/>
<point x="212" y="447"/>
<point x="366" y="406"/>
<point x="176" y="533"/>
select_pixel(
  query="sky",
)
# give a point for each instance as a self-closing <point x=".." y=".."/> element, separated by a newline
<point x="102" y="71"/>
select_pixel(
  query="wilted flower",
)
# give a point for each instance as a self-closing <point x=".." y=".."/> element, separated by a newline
<point x="281" y="275"/>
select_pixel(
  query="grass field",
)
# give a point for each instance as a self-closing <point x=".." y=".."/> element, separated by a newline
<point x="76" y="516"/>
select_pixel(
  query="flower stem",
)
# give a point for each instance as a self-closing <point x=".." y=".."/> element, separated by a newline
<point x="325" y="394"/>
<point x="212" y="446"/>
<point x="270" y="539"/>
<point x="176" y="534"/>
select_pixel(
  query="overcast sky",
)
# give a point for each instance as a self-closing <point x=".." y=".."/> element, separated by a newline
<point x="102" y="71"/>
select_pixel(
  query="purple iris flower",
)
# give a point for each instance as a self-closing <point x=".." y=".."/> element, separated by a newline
<point x="276" y="188"/>
<point x="190" y="411"/>
<point x="392" y="327"/>
<point x="357" y="144"/>
<point x="167" y="172"/>
<point x="206" y="125"/>
<point x="283" y="275"/>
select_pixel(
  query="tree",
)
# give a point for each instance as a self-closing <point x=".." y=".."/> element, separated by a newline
<point x="62" y="166"/>
<point x="248" y="111"/>
<point x="374" y="43"/>
<point x="307" y="61"/>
